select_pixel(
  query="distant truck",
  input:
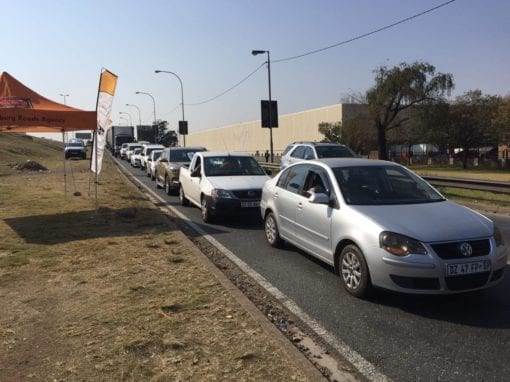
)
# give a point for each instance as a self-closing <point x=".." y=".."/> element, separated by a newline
<point x="148" y="133"/>
<point x="117" y="135"/>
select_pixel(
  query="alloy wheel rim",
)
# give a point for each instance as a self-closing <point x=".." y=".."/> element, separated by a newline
<point x="270" y="229"/>
<point x="351" y="270"/>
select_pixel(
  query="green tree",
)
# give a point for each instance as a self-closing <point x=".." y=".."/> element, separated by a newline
<point x="400" y="88"/>
<point x="332" y="131"/>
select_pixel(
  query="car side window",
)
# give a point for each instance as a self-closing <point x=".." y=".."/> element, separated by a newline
<point x="294" y="178"/>
<point x="316" y="182"/>
<point x="309" y="154"/>
<point x="299" y="152"/>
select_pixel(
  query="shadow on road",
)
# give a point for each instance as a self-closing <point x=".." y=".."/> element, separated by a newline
<point x="489" y="308"/>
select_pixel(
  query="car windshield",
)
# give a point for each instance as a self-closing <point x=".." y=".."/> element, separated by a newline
<point x="156" y="154"/>
<point x="383" y="185"/>
<point x="232" y="166"/>
<point x="75" y="144"/>
<point x="181" y="155"/>
<point x="137" y="151"/>
<point x="333" y="151"/>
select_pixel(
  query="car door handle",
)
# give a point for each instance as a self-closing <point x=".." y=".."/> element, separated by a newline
<point x="275" y="195"/>
<point x="300" y="205"/>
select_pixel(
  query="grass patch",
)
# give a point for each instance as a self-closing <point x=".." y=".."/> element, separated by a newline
<point x="85" y="287"/>
<point x="474" y="196"/>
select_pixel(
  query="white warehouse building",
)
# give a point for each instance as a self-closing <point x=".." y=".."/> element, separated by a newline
<point x="251" y="137"/>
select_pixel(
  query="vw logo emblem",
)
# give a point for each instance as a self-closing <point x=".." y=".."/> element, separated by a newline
<point x="466" y="249"/>
<point x="251" y="194"/>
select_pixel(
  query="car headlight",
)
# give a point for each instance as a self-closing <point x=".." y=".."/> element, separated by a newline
<point x="219" y="193"/>
<point x="400" y="245"/>
<point x="498" y="237"/>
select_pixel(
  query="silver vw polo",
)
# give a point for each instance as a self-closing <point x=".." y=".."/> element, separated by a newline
<point x="380" y="225"/>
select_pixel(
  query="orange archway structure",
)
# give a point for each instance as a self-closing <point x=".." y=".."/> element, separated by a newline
<point x="22" y="110"/>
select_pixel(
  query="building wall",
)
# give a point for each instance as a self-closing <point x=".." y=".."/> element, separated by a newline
<point x="250" y="137"/>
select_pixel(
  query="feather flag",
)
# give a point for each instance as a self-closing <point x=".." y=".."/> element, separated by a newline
<point x="107" y="86"/>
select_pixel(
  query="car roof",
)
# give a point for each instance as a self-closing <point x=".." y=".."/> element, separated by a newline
<point x="318" y="143"/>
<point x="350" y="162"/>
<point x="224" y="154"/>
<point x="187" y="148"/>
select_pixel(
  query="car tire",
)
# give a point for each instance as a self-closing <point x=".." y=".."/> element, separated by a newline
<point x="168" y="189"/>
<point x="153" y="177"/>
<point x="148" y="174"/>
<point x="157" y="184"/>
<point x="182" y="198"/>
<point x="206" y="211"/>
<point x="353" y="271"/>
<point x="271" y="231"/>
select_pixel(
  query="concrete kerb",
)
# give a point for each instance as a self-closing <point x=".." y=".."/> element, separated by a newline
<point x="292" y="353"/>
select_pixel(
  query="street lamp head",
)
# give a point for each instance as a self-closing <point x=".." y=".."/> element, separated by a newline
<point x="138" y="92"/>
<point x="157" y="71"/>
<point x="255" y="52"/>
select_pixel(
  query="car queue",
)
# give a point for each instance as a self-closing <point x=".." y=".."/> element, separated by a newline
<point x="376" y="223"/>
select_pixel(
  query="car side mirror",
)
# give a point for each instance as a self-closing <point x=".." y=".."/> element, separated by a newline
<point x="319" y="198"/>
<point x="269" y="172"/>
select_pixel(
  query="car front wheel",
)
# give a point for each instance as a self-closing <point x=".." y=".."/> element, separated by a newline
<point x="206" y="211"/>
<point x="271" y="231"/>
<point x="182" y="198"/>
<point x="168" y="188"/>
<point x="353" y="271"/>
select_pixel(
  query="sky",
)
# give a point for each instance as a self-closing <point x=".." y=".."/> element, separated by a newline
<point x="60" y="47"/>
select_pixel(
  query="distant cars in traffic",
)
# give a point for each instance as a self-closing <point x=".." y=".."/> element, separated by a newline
<point x="147" y="149"/>
<point x="152" y="162"/>
<point x="169" y="165"/>
<point x="75" y="149"/>
<point x="135" y="157"/>
<point x="300" y="151"/>
<point x="380" y="225"/>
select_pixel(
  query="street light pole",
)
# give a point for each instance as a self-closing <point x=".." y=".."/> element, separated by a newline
<point x="139" y="114"/>
<point x="129" y="115"/>
<point x="64" y="95"/>
<point x="153" y="102"/>
<point x="256" y="52"/>
<point x="182" y="98"/>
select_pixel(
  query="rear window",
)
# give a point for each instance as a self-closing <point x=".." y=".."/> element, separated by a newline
<point x="334" y="152"/>
<point x="182" y="155"/>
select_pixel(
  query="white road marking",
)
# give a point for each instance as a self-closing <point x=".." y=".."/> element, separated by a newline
<point x="368" y="370"/>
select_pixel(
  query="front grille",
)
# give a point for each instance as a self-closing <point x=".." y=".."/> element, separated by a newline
<point x="452" y="251"/>
<point x="429" y="283"/>
<point x="248" y="194"/>
<point x="467" y="281"/>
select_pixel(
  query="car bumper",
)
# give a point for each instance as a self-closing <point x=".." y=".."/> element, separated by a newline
<point x="223" y="206"/>
<point x="428" y="275"/>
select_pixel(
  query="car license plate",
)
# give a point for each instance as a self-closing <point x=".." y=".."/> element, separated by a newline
<point x="250" y="204"/>
<point x="468" y="268"/>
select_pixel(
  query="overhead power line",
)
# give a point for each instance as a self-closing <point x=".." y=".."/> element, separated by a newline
<point x="364" y="34"/>
<point x="359" y="37"/>
<point x="229" y="89"/>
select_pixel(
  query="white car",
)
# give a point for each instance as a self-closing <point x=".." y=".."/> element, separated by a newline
<point x="135" y="157"/>
<point x="222" y="183"/>
<point x="379" y="224"/>
<point x="147" y="149"/>
<point x="152" y="162"/>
